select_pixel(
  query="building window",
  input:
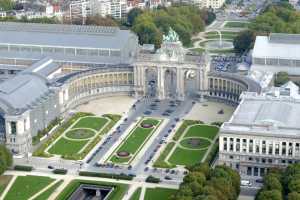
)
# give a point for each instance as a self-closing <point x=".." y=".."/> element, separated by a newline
<point x="249" y="171"/>
<point x="244" y="145"/>
<point x="276" y="149"/>
<point x="264" y="148"/>
<point x="231" y="144"/>
<point x="270" y="149"/>
<point x="13" y="126"/>
<point x="290" y="149"/>
<point x="225" y="144"/>
<point x="257" y="146"/>
<point x="283" y="151"/>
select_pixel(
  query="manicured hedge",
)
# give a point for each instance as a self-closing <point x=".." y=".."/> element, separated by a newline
<point x="213" y="153"/>
<point x="60" y="171"/>
<point x="41" y="133"/>
<point x="23" y="168"/>
<point x="106" y="175"/>
<point x="152" y="179"/>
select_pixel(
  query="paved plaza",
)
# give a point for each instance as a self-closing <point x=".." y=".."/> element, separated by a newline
<point x="113" y="105"/>
<point x="208" y="112"/>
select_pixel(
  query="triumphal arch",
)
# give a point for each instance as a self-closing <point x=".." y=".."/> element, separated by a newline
<point x="170" y="72"/>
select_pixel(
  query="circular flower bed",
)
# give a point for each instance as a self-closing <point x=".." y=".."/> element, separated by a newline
<point x="146" y="125"/>
<point x="195" y="143"/>
<point x="123" y="154"/>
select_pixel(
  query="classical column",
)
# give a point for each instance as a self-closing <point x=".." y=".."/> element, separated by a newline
<point x="180" y="83"/>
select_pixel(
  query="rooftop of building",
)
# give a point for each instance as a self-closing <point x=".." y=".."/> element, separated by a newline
<point x="265" y="114"/>
<point x="60" y="35"/>
<point x="27" y="88"/>
<point x="277" y="45"/>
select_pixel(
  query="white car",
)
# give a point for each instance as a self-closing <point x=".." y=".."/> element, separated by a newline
<point x="246" y="183"/>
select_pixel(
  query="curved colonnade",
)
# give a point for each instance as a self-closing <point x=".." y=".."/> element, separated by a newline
<point x="228" y="87"/>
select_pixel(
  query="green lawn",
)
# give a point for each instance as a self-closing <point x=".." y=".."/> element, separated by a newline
<point x="159" y="193"/>
<point x="184" y="125"/>
<point x="80" y="134"/>
<point x="186" y="157"/>
<point x="4" y="181"/>
<point x="67" y="147"/>
<point x="135" y="140"/>
<point x="45" y="195"/>
<point x="160" y="162"/>
<point x="95" y="123"/>
<point x="117" y="194"/>
<point x="236" y="25"/>
<point x="202" y="131"/>
<point x="26" y="186"/>
<point x="136" y="194"/>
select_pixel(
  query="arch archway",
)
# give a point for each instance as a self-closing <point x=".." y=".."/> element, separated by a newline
<point x="170" y="83"/>
<point x="151" y="82"/>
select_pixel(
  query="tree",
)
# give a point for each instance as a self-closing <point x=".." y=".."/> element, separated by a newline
<point x="281" y="78"/>
<point x="132" y="15"/>
<point x="5" y="159"/>
<point x="148" y="33"/>
<point x="269" y="195"/>
<point x="294" y="196"/>
<point x="6" y="5"/>
<point x="98" y="20"/>
<point x="244" y="41"/>
<point x="272" y="183"/>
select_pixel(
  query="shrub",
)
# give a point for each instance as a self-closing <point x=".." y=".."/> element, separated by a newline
<point x="23" y="168"/>
<point x="60" y="171"/>
<point x="152" y="179"/>
<point x="107" y="175"/>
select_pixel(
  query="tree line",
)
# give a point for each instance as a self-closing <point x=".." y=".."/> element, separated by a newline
<point x="281" y="184"/>
<point x="276" y="18"/>
<point x="150" y="25"/>
<point x="205" y="183"/>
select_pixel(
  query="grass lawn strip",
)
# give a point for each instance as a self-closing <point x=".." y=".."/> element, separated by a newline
<point x="135" y="140"/>
<point x="26" y="186"/>
<point x="93" y="122"/>
<point x="159" y="193"/>
<point x="160" y="162"/>
<point x="4" y="181"/>
<point x="186" y="157"/>
<point x="136" y="195"/>
<point x="59" y="147"/>
<point x="205" y="131"/>
<point x="64" y="146"/>
<point x="46" y="194"/>
<point x="117" y="193"/>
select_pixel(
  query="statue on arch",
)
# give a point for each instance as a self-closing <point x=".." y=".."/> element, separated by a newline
<point x="171" y="37"/>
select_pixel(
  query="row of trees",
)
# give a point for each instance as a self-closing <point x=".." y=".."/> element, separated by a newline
<point x="205" y="183"/>
<point x="150" y="25"/>
<point x="281" y="184"/>
<point x="276" y="18"/>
